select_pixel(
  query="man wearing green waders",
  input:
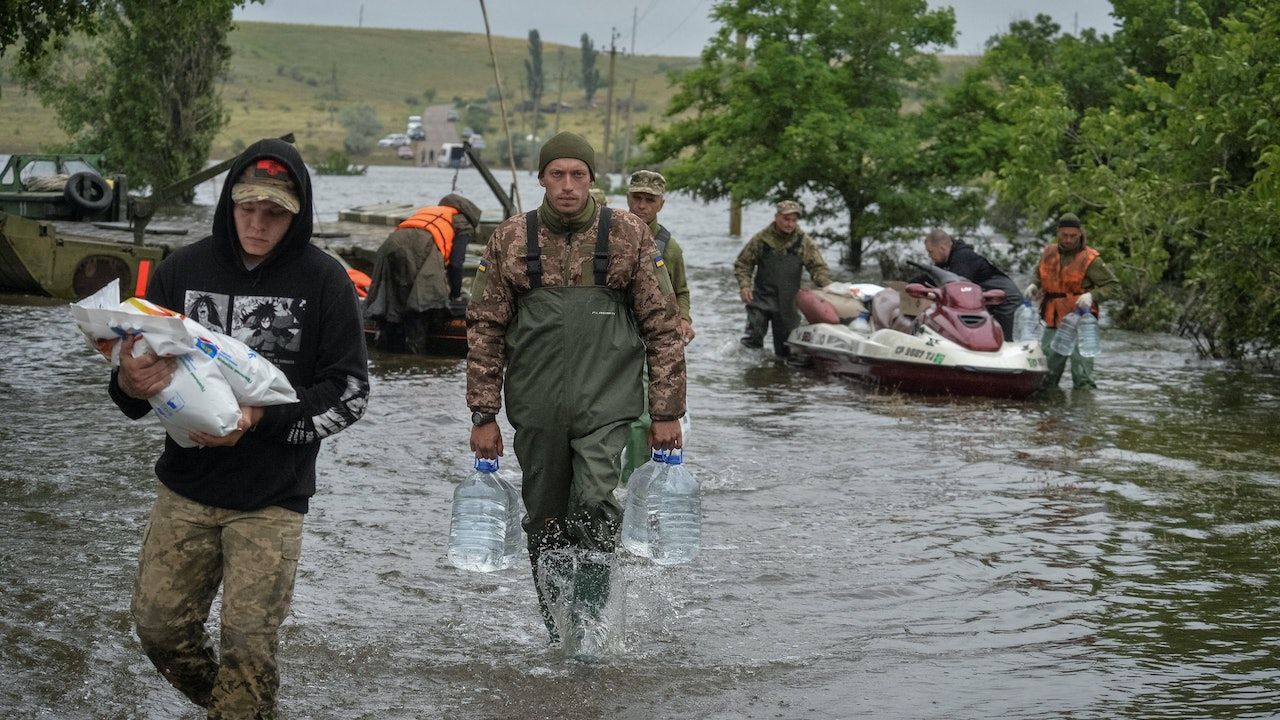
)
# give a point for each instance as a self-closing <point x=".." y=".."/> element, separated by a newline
<point x="568" y="306"/>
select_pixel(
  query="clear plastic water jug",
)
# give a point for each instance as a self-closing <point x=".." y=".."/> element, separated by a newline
<point x="484" y="533"/>
<point x="635" y="516"/>
<point x="862" y="323"/>
<point x="1026" y="323"/>
<point x="675" y="508"/>
<point x="1087" y="336"/>
<point x="1064" y="342"/>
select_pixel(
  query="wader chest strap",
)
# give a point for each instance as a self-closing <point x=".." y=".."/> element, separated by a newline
<point x="533" y="254"/>
<point x="601" y="263"/>
<point x="661" y="239"/>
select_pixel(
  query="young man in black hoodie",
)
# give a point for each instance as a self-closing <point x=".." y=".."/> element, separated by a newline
<point x="229" y="511"/>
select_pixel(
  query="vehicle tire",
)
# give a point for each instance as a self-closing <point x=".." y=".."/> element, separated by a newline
<point x="88" y="192"/>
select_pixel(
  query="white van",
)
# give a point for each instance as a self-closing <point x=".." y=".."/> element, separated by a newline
<point x="451" y="155"/>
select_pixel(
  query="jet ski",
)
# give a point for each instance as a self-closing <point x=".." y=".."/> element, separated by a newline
<point x="953" y="347"/>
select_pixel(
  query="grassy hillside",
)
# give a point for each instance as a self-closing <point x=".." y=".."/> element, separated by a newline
<point x="299" y="77"/>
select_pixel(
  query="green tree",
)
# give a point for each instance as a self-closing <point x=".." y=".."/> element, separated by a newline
<point x="972" y="136"/>
<point x="144" y="91"/>
<point x="363" y="128"/>
<point x="590" y="73"/>
<point x="1144" y="25"/>
<point x="811" y="101"/>
<point x="535" y="81"/>
<point x="1176" y="179"/>
<point x="42" y="25"/>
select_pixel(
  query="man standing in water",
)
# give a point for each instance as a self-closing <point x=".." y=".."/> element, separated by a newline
<point x="229" y="511"/>
<point x="1071" y="275"/>
<point x="768" y="273"/>
<point x="572" y="271"/>
<point x="645" y="200"/>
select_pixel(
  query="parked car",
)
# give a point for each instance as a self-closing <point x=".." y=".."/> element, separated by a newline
<point x="404" y="152"/>
<point x="452" y="116"/>
<point x="394" y="140"/>
<point x="417" y="133"/>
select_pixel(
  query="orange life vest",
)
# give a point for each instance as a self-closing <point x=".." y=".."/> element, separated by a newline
<point x="437" y="220"/>
<point x="1063" y="284"/>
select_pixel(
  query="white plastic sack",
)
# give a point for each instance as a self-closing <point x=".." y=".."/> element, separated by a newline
<point x="215" y="375"/>
<point x="861" y="291"/>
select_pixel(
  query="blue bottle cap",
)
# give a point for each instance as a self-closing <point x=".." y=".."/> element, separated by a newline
<point x="487" y="466"/>
<point x="659" y="456"/>
<point x="676" y="457"/>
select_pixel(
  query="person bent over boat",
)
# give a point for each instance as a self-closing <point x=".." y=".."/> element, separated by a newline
<point x="768" y="274"/>
<point x="1071" y="275"/>
<point x="568" y="306"/>
<point x="229" y="511"/>
<point x="959" y="257"/>
<point x="417" y="272"/>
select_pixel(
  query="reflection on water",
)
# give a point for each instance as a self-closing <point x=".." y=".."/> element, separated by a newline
<point x="865" y="554"/>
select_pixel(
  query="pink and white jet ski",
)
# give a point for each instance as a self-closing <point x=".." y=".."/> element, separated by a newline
<point x="954" y="347"/>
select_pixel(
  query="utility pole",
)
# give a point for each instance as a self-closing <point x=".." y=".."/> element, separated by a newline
<point x="634" y="20"/>
<point x="626" y="148"/>
<point x="608" y="111"/>
<point x="559" y="92"/>
<point x="735" y="200"/>
<point x="360" y="22"/>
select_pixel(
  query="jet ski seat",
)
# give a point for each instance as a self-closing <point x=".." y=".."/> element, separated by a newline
<point x="886" y="312"/>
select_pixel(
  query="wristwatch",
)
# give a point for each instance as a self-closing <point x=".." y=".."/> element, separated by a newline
<point x="482" y="418"/>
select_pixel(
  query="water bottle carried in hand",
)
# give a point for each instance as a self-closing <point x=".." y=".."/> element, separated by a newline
<point x="635" y="517"/>
<point x="1026" y="323"/>
<point x="484" y="534"/>
<point x="1064" y="342"/>
<point x="675" y="513"/>
<point x="1087" y="336"/>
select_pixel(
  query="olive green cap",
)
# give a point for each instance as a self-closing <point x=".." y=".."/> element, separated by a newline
<point x="1069" y="220"/>
<point x="567" y="145"/>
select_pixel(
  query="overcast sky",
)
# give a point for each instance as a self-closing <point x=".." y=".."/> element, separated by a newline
<point x="663" y="27"/>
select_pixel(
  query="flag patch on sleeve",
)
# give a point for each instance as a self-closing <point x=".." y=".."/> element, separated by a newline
<point x="657" y="261"/>
<point x="484" y="265"/>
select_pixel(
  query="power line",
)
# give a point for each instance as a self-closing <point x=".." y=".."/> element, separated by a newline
<point x="677" y="27"/>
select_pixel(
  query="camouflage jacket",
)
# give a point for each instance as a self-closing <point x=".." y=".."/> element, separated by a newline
<point x="632" y="269"/>
<point x="744" y="267"/>
<point x="673" y="257"/>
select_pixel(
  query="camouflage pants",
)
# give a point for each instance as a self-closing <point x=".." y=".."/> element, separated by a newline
<point x="188" y="551"/>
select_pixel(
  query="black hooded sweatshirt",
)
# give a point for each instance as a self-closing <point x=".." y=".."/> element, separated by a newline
<point x="296" y="308"/>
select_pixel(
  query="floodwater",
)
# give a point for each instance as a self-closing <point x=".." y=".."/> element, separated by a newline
<point x="1105" y="554"/>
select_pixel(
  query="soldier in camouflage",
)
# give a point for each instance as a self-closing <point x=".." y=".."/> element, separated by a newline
<point x="768" y="273"/>
<point x="646" y="192"/>
<point x="570" y="301"/>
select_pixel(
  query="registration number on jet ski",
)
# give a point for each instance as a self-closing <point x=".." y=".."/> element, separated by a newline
<point x="934" y="357"/>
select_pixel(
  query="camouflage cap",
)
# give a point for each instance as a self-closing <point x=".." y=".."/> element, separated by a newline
<point x="598" y="195"/>
<point x="789" y="207"/>
<point x="648" y="182"/>
<point x="267" y="179"/>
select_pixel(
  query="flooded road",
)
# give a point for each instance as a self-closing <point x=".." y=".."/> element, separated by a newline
<point x="1108" y="554"/>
